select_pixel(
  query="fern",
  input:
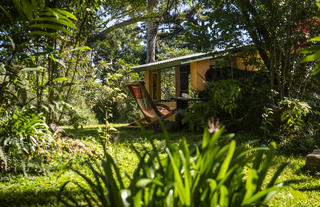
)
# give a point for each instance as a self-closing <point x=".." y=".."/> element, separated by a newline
<point x="22" y="133"/>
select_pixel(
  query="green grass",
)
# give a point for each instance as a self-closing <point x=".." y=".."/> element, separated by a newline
<point x="41" y="189"/>
<point x="304" y="188"/>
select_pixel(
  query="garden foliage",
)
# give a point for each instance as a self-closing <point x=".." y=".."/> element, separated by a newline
<point x="222" y="100"/>
<point x="293" y="123"/>
<point x="23" y="136"/>
<point x="216" y="173"/>
<point x="31" y="79"/>
<point x="313" y="52"/>
<point x="292" y="111"/>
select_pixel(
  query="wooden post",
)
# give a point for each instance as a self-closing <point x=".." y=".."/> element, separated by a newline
<point x="178" y="83"/>
<point x="152" y="79"/>
<point x="147" y="80"/>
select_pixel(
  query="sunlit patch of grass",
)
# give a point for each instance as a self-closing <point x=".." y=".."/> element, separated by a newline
<point x="304" y="189"/>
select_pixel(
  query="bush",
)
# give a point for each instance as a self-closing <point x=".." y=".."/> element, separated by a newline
<point x="111" y="95"/>
<point x="218" y="173"/>
<point x="23" y="134"/>
<point x="293" y="123"/>
<point x="222" y="96"/>
<point x="77" y="114"/>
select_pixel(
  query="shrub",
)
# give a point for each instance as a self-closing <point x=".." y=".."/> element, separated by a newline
<point x="23" y="134"/>
<point x="222" y="96"/>
<point x="77" y="114"/>
<point x="218" y="173"/>
<point x="111" y="94"/>
<point x="291" y="113"/>
<point x="293" y="123"/>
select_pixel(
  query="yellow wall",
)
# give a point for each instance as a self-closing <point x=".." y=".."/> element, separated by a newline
<point x="147" y="80"/>
<point x="240" y="62"/>
<point x="198" y="74"/>
<point x="148" y="83"/>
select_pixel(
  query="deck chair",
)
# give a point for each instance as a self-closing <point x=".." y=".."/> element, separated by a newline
<point x="152" y="111"/>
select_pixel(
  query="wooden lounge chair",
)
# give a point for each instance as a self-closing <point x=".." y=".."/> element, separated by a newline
<point x="152" y="111"/>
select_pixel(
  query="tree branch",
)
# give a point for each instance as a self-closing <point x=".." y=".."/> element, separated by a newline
<point x="101" y="35"/>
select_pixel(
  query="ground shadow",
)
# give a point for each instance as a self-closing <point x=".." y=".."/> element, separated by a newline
<point x="29" y="198"/>
<point x="82" y="133"/>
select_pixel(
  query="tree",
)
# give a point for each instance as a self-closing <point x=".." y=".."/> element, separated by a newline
<point x="271" y="26"/>
<point x="161" y="21"/>
<point x="151" y="33"/>
<point x="42" y="50"/>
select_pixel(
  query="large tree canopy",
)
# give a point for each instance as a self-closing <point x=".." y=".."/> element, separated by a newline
<point x="272" y="26"/>
<point x="159" y="21"/>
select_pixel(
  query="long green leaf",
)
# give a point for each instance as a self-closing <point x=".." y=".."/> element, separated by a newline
<point x="29" y="69"/>
<point x="178" y="179"/>
<point x="66" y="13"/>
<point x="48" y="34"/>
<point x="251" y="183"/>
<point x="205" y="138"/>
<point x="316" y="70"/>
<point x="316" y="39"/>
<point x="312" y="57"/>
<point x="143" y="182"/>
<point x="137" y="199"/>
<point x="224" y="196"/>
<point x="170" y="199"/>
<point x="260" y="195"/>
<point x="214" y="200"/>
<point x="52" y="26"/>
<point x="277" y="174"/>
<point x="111" y="183"/>
<point x="215" y="136"/>
<point x="185" y="157"/>
<point x="60" y="79"/>
<point x="77" y="49"/>
<point x="99" y="189"/>
<point x="58" y="21"/>
<point x="311" y="49"/>
<point x="27" y="9"/>
<point x="226" y="162"/>
<point x="266" y="164"/>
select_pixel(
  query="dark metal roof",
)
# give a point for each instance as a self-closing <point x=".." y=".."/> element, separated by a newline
<point x="183" y="60"/>
<point x="172" y="62"/>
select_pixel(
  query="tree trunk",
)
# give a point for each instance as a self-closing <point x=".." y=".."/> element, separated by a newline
<point x="151" y="33"/>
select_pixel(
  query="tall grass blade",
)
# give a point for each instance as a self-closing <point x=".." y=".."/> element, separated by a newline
<point x="224" y="196"/>
<point x="251" y="183"/>
<point x="266" y="164"/>
<point x="259" y="195"/>
<point x="178" y="179"/>
<point x="277" y="174"/>
<point x="226" y="162"/>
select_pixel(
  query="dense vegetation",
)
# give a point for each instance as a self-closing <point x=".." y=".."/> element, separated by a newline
<point x="67" y="62"/>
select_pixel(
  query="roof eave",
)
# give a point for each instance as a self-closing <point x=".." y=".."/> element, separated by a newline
<point x="171" y="64"/>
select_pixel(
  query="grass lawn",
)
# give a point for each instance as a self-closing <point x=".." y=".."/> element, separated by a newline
<point x="41" y="189"/>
